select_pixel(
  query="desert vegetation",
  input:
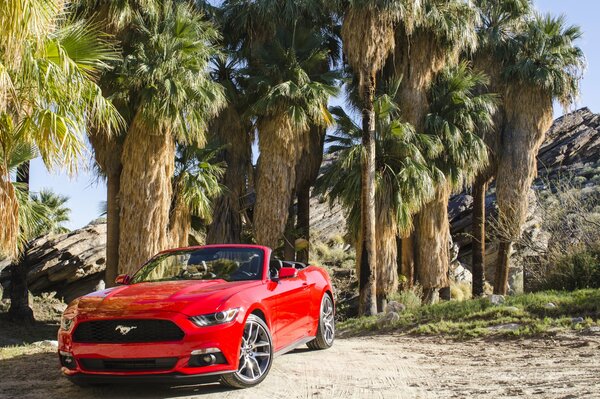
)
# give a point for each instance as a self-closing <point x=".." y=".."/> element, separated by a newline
<point x="175" y="97"/>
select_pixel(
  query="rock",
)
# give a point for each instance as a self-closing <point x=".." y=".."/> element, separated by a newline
<point x="512" y="308"/>
<point x="549" y="305"/>
<point x="396" y="307"/>
<point x="50" y="343"/>
<point x="509" y="327"/>
<point x="460" y="274"/>
<point x="70" y="264"/>
<point x="387" y="319"/>
<point x="577" y="320"/>
<point x="496" y="299"/>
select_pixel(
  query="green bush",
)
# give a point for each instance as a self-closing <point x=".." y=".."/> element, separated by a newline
<point x="574" y="271"/>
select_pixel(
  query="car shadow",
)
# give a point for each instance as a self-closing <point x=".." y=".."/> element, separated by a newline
<point x="12" y="334"/>
<point x="37" y="375"/>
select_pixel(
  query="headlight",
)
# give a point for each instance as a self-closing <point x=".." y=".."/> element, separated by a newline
<point x="66" y="323"/>
<point x="212" y="319"/>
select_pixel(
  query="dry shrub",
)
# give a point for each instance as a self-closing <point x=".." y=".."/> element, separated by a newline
<point x="460" y="291"/>
<point x="570" y="251"/>
<point x="409" y="297"/>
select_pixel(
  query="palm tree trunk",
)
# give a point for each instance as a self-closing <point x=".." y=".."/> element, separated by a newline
<point x="180" y="224"/>
<point x="368" y="253"/>
<point x="146" y="190"/>
<point x="307" y="172"/>
<point x="478" y="240"/>
<point x="432" y="234"/>
<point x="387" y="255"/>
<point x="20" y="311"/>
<point x="528" y="117"/>
<point x="226" y="226"/>
<point x="9" y="211"/>
<point x="113" y="219"/>
<point x="407" y="259"/>
<point x="303" y="222"/>
<point x="289" y="249"/>
<point x="502" y="271"/>
<point x="107" y="151"/>
<point x="280" y="149"/>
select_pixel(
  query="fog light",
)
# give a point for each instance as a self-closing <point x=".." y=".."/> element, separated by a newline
<point x="209" y="359"/>
<point x="206" y="357"/>
<point x="67" y="360"/>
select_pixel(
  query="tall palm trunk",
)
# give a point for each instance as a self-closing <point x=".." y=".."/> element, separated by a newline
<point x="478" y="232"/>
<point x="280" y="147"/>
<point x="180" y="223"/>
<point x="432" y="234"/>
<point x="226" y="226"/>
<point x="387" y="255"/>
<point x="20" y="310"/>
<point x="146" y="189"/>
<point x="113" y="221"/>
<point x="289" y="249"/>
<point x="417" y="60"/>
<point x="528" y="117"/>
<point x="107" y="151"/>
<point x="368" y="253"/>
<point x="307" y="172"/>
<point x="9" y="211"/>
<point x="407" y="259"/>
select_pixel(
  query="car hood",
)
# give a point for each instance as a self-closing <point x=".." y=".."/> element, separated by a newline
<point x="187" y="297"/>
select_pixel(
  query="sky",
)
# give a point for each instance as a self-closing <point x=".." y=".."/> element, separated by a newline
<point x="86" y="191"/>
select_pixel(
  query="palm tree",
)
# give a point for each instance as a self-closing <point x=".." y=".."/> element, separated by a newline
<point x="404" y="180"/>
<point x="48" y="98"/>
<point x="57" y="212"/>
<point x="292" y="96"/>
<point x="426" y="42"/>
<point x="499" y="22"/>
<point x="233" y="132"/>
<point x="457" y="113"/>
<point x="166" y="95"/>
<point x="545" y="64"/>
<point x="195" y="186"/>
<point x="368" y="38"/>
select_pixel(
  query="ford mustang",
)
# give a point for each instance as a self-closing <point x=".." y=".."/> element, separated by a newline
<point x="195" y="315"/>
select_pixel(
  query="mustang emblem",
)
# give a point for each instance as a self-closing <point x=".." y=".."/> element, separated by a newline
<point x="124" y="330"/>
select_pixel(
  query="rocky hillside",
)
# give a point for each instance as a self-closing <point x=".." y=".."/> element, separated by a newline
<point x="72" y="264"/>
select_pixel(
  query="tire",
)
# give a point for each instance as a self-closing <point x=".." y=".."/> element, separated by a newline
<point x="256" y="355"/>
<point x="326" y="330"/>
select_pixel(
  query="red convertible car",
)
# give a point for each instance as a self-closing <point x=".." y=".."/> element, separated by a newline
<point x="195" y="315"/>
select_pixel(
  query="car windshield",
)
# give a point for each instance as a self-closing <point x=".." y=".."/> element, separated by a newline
<point x="227" y="263"/>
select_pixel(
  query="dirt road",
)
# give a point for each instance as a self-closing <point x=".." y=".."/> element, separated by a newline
<point x="369" y="367"/>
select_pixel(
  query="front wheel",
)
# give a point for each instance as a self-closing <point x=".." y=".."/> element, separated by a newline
<point x="326" y="331"/>
<point x="256" y="355"/>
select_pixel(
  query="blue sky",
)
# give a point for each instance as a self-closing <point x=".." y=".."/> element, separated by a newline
<point x="86" y="191"/>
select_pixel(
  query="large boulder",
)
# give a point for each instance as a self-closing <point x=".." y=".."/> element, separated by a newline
<point x="71" y="264"/>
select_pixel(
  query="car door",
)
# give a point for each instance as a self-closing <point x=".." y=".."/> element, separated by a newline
<point x="291" y="297"/>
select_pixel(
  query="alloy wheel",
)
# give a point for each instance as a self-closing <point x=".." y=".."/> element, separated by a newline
<point x="255" y="352"/>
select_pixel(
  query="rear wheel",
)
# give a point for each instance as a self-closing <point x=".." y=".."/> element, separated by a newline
<point x="256" y="355"/>
<point x="326" y="331"/>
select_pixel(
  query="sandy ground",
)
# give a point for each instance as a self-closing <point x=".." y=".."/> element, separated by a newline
<point x="367" y="367"/>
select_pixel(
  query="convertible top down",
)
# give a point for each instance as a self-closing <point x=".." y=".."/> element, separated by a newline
<point x="198" y="314"/>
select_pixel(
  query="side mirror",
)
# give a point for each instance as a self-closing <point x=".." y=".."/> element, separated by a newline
<point x="287" y="272"/>
<point x="123" y="279"/>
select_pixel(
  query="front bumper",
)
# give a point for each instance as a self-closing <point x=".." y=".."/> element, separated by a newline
<point x="226" y="338"/>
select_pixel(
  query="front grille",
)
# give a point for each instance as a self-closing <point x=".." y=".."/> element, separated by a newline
<point x="158" y="364"/>
<point x="127" y="331"/>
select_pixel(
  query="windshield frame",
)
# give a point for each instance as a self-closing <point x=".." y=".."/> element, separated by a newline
<point x="262" y="252"/>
